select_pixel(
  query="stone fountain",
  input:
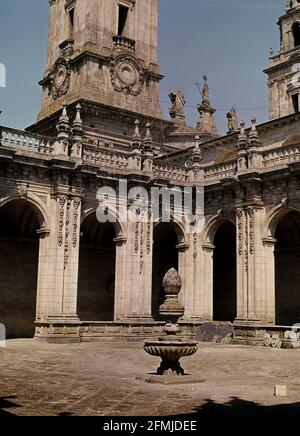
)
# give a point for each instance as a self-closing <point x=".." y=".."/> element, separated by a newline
<point x="171" y="348"/>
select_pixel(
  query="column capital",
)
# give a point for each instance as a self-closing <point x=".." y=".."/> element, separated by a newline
<point x="120" y="240"/>
<point x="209" y="248"/>
<point x="182" y="247"/>
<point x="43" y="232"/>
<point x="269" y="241"/>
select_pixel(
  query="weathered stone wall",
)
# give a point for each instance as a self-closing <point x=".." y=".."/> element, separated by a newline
<point x="85" y="62"/>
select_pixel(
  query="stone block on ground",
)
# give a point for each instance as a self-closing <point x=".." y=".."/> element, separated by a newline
<point x="219" y="333"/>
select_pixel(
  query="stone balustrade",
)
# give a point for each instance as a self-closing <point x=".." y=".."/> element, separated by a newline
<point x="281" y="156"/>
<point x="123" y="42"/>
<point x="21" y="140"/>
<point x="170" y="172"/>
<point x="105" y="158"/>
<point x="118" y="160"/>
<point x="220" y="171"/>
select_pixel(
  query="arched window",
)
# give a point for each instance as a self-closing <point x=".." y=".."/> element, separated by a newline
<point x="296" y="34"/>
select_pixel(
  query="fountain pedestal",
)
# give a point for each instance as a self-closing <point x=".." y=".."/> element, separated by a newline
<point x="171" y="348"/>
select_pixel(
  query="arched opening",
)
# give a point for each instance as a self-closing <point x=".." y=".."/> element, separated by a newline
<point x="97" y="265"/>
<point x="165" y="256"/>
<point x="287" y="269"/>
<point x="19" y="250"/>
<point x="296" y="34"/>
<point x="224" y="270"/>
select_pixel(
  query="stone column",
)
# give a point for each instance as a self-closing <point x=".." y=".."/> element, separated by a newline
<point x="121" y="291"/>
<point x="268" y="280"/>
<point x="186" y="272"/>
<point x="134" y="264"/>
<point x="58" y="271"/>
<point x="249" y="263"/>
<point x="208" y="282"/>
<point x="242" y="262"/>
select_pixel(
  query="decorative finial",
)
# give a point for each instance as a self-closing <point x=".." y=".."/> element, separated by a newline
<point x="64" y="116"/>
<point x="137" y="129"/>
<point x="148" y="138"/>
<point x="197" y="155"/>
<point x="253" y="135"/>
<point x="148" y="131"/>
<point x="172" y="282"/>
<point x="63" y="125"/>
<point x="78" y="121"/>
<point x="242" y="139"/>
<point x="136" y="142"/>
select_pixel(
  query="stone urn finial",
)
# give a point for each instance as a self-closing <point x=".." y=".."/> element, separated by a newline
<point x="171" y="348"/>
<point x="171" y="310"/>
<point x="172" y="282"/>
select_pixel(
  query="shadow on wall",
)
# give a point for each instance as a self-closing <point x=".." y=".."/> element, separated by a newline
<point x="239" y="407"/>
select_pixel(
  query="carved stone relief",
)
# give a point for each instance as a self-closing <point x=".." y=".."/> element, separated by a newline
<point x="126" y="75"/>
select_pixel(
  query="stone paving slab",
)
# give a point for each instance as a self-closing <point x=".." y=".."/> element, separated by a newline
<point x="105" y="379"/>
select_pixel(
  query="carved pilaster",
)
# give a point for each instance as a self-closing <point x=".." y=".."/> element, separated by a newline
<point x="61" y="199"/>
<point x="246" y="223"/>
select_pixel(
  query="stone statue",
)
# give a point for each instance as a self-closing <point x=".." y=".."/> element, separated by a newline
<point x="232" y="121"/>
<point x="178" y="103"/>
<point x="205" y="91"/>
<point x="177" y="110"/>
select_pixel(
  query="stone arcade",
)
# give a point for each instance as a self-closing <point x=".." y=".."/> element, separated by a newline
<point x="66" y="277"/>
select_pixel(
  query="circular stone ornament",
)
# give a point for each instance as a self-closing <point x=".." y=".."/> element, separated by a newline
<point x="126" y="75"/>
<point x="61" y="76"/>
<point x="60" y="79"/>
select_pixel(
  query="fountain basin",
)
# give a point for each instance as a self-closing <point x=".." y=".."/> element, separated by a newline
<point x="170" y="352"/>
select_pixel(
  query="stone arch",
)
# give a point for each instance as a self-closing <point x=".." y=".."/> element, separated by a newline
<point x="212" y="226"/>
<point x="274" y="217"/>
<point x="283" y="229"/>
<point x="36" y="203"/>
<point x="112" y="217"/>
<point x="97" y="267"/>
<point x="178" y="228"/>
<point x="20" y="221"/>
<point x="168" y="239"/>
<point x="220" y="233"/>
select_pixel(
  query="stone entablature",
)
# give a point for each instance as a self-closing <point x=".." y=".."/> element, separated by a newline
<point x="111" y="159"/>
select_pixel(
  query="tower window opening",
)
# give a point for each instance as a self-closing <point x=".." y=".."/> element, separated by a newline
<point x="123" y="18"/>
<point x="71" y="21"/>
<point x="295" y="101"/>
<point x="296" y="34"/>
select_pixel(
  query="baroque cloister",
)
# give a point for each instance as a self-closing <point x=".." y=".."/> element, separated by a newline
<point x="66" y="276"/>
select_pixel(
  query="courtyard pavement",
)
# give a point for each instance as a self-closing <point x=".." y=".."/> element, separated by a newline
<point x="100" y="378"/>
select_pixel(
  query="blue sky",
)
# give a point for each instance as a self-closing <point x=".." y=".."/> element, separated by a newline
<point x="228" y="40"/>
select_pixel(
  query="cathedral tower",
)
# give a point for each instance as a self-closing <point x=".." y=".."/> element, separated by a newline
<point x="284" y="67"/>
<point x="103" y="52"/>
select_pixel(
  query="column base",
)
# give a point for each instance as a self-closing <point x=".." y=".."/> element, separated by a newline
<point x="58" y="330"/>
<point x="247" y="321"/>
<point x="135" y="319"/>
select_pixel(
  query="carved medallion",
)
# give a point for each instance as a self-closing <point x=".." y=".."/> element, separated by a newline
<point x="126" y="75"/>
<point x="60" y="79"/>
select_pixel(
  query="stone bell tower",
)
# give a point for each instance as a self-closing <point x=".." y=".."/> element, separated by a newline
<point x="284" y="67"/>
<point x="103" y="52"/>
